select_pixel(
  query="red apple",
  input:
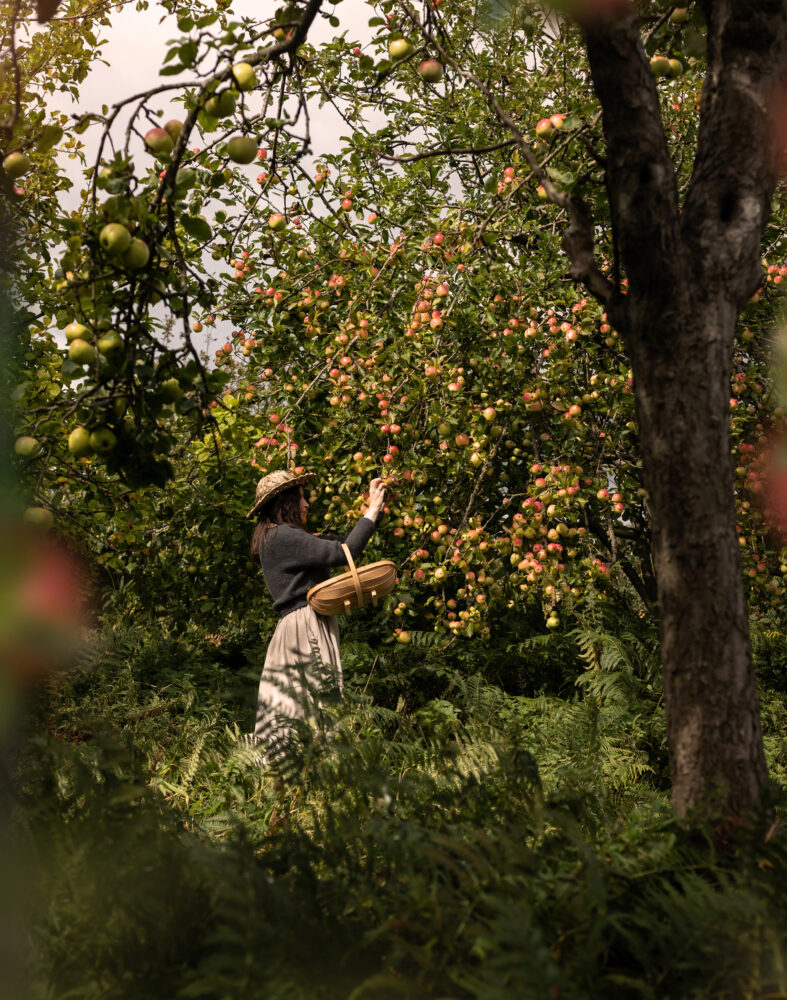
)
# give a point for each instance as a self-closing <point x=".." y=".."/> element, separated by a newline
<point x="431" y="71"/>
<point x="159" y="142"/>
<point x="545" y="128"/>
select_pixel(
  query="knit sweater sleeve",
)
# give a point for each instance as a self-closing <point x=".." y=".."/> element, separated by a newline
<point x="299" y="549"/>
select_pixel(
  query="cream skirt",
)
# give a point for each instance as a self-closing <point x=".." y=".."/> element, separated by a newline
<point x="303" y="669"/>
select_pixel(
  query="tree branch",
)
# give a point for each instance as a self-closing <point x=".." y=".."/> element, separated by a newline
<point x="640" y="174"/>
<point x="448" y="151"/>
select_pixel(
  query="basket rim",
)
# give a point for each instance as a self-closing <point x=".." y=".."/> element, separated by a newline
<point x="388" y="564"/>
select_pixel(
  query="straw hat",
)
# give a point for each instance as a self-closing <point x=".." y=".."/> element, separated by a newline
<point x="275" y="483"/>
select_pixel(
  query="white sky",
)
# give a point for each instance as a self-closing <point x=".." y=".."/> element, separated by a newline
<point x="135" y="50"/>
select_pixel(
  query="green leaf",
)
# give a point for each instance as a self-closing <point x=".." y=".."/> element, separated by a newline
<point x="560" y="176"/>
<point x="50" y="137"/>
<point x="85" y="122"/>
<point x="196" y="227"/>
<point x="188" y="52"/>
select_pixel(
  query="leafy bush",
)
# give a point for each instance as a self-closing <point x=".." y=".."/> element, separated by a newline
<point x="473" y="843"/>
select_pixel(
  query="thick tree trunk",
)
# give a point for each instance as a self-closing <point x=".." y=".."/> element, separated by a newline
<point x="691" y="268"/>
<point x="681" y="378"/>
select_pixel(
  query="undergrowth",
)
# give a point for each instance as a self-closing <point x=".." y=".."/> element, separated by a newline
<point x="433" y="836"/>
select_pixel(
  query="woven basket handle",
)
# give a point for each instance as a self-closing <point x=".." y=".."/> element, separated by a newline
<point x="354" y="571"/>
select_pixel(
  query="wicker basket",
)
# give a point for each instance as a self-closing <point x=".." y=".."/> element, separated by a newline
<point x="353" y="589"/>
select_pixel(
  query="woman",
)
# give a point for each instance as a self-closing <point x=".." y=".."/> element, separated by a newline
<point x="302" y="664"/>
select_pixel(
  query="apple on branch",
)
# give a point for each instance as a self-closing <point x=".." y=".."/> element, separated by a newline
<point x="110" y="343"/>
<point x="545" y="128"/>
<point x="242" y="148"/>
<point x="16" y="164"/>
<point x="173" y="128"/>
<point x="79" y="443"/>
<point x="102" y="440"/>
<point x="221" y="105"/>
<point x="81" y="352"/>
<point x="431" y="71"/>
<point x="26" y="446"/>
<point x="244" y="76"/>
<point x="399" y="48"/>
<point x="76" y="331"/>
<point x="159" y="142"/>
<point x="114" y="238"/>
<point x="137" y="255"/>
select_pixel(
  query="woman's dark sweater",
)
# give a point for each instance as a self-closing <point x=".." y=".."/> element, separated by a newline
<point x="293" y="560"/>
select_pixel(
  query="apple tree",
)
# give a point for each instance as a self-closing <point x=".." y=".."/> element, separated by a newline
<point x="529" y="285"/>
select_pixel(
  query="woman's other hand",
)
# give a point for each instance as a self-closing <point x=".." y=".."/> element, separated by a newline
<point x="376" y="497"/>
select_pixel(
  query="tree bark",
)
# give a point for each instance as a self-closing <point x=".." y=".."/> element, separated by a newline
<point x="690" y="272"/>
<point x="682" y="401"/>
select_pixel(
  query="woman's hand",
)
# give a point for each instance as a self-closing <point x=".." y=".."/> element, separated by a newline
<point x="376" y="497"/>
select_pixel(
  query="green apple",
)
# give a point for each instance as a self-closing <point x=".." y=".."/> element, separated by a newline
<point x="221" y="105"/>
<point x="38" y="517"/>
<point x="102" y="440"/>
<point x="242" y="148"/>
<point x="659" y="66"/>
<point x="110" y="343"/>
<point x="159" y="142"/>
<point x="277" y="222"/>
<point x="81" y="353"/>
<point x="431" y="71"/>
<point x="244" y="76"/>
<point x="173" y="128"/>
<point x="399" y="48"/>
<point x="16" y="164"/>
<point x="79" y="443"/>
<point x="76" y="331"/>
<point x="171" y="390"/>
<point x="137" y="254"/>
<point x="119" y="406"/>
<point x="114" y="238"/>
<point x="26" y="446"/>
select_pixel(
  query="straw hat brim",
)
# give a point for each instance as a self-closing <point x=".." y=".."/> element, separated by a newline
<point x="301" y="480"/>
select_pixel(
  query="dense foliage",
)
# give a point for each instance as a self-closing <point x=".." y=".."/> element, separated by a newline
<point x="487" y="813"/>
<point x="411" y="316"/>
<point x="435" y="837"/>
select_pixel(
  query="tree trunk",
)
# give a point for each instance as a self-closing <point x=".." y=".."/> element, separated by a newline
<point x="691" y="268"/>
<point x="681" y="379"/>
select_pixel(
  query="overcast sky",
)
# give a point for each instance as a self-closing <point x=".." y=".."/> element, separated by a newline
<point x="135" y="50"/>
<point x="133" y="55"/>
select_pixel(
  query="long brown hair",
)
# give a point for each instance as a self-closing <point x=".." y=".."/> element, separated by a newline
<point x="282" y="509"/>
